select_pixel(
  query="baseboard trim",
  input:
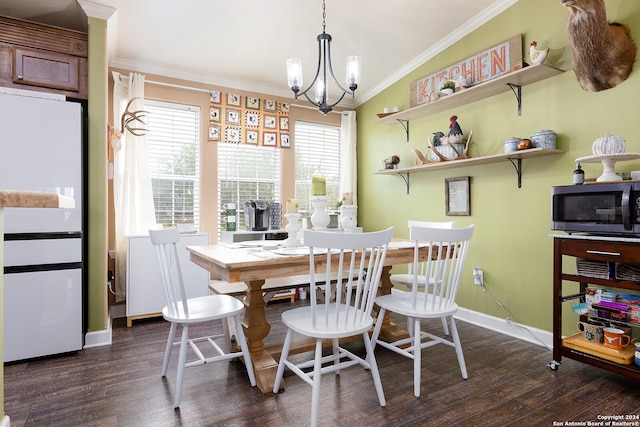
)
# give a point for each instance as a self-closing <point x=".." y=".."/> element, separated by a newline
<point x="118" y="311"/>
<point x="98" y="338"/>
<point x="523" y="332"/>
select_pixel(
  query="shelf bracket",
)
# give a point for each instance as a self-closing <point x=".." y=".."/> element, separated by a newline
<point x="517" y="91"/>
<point x="405" y="176"/>
<point x="518" y="168"/>
<point x="405" y="125"/>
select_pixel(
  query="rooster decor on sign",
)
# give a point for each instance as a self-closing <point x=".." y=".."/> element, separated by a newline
<point x="536" y="55"/>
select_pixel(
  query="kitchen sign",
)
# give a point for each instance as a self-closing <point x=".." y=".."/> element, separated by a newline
<point x="481" y="67"/>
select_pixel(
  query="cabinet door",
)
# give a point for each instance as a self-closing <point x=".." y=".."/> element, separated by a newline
<point x="46" y="69"/>
<point x="145" y="294"/>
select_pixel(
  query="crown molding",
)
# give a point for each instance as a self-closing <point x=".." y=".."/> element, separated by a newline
<point x="467" y="28"/>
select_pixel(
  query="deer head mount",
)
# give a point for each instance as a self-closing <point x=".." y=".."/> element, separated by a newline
<point x="603" y="52"/>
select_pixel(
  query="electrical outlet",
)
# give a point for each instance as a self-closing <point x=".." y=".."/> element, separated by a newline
<point x="478" y="276"/>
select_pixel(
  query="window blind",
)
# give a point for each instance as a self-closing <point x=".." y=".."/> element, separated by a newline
<point x="246" y="172"/>
<point x="317" y="148"/>
<point x="174" y="161"/>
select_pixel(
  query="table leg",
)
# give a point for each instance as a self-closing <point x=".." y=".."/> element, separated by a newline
<point x="390" y="331"/>
<point x="256" y="328"/>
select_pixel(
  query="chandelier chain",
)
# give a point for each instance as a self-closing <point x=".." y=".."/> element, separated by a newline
<point x="324" y="16"/>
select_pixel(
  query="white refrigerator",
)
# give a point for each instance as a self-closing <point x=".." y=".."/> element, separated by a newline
<point x="41" y="149"/>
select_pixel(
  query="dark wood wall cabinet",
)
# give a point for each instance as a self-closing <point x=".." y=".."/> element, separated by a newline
<point x="611" y="253"/>
<point x="43" y="58"/>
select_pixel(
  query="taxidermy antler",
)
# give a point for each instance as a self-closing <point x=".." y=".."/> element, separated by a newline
<point x="444" y="141"/>
<point x="603" y="52"/>
<point x="129" y="118"/>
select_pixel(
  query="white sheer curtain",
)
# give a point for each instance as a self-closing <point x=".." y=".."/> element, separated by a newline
<point x="133" y="195"/>
<point x="348" y="162"/>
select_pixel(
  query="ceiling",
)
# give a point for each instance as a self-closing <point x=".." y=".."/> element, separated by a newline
<point x="244" y="44"/>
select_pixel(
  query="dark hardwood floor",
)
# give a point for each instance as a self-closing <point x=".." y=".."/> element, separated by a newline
<point x="120" y="385"/>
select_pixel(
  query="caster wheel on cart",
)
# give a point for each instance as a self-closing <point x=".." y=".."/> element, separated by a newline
<point x="554" y="365"/>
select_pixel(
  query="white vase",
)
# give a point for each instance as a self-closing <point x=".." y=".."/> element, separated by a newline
<point x="320" y="217"/>
<point x="292" y="229"/>
<point x="349" y="220"/>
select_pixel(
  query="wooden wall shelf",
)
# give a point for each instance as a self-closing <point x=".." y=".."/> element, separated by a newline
<point x="514" y="81"/>
<point x="515" y="158"/>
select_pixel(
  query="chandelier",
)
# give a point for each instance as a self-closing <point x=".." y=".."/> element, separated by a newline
<point x="294" y="73"/>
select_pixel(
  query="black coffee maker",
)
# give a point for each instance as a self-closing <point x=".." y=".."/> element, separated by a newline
<point x="256" y="215"/>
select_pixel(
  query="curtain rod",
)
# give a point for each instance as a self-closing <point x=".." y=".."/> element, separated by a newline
<point x="152" y="82"/>
<point x="197" y="89"/>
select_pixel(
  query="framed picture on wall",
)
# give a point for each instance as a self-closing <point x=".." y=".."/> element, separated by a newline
<point x="214" y="114"/>
<point x="252" y="119"/>
<point x="270" y="105"/>
<point x="252" y="102"/>
<point x="285" y="142"/>
<point x="233" y="134"/>
<point x="233" y="116"/>
<point x="457" y="199"/>
<point x="269" y="139"/>
<point x="214" y="132"/>
<point x="284" y="123"/>
<point x="251" y="137"/>
<point x="270" y="122"/>
<point x="214" y="96"/>
<point x="233" y="99"/>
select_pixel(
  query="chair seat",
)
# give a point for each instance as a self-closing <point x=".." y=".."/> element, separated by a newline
<point x="300" y="320"/>
<point x="402" y="303"/>
<point x="201" y="309"/>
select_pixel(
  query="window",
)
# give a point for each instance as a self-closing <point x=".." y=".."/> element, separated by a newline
<point x="246" y="172"/>
<point x="174" y="161"/>
<point x="317" y="153"/>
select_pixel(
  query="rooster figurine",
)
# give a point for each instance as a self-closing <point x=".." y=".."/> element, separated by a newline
<point x="537" y="55"/>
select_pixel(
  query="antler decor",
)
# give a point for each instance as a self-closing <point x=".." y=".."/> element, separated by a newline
<point x="421" y="159"/>
<point x="130" y="118"/>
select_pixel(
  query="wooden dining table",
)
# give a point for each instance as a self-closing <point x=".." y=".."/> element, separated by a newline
<point x="253" y="266"/>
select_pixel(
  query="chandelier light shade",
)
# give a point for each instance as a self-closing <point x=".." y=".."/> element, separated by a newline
<point x="324" y="70"/>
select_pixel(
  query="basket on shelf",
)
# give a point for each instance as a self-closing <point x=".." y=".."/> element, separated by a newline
<point x="595" y="269"/>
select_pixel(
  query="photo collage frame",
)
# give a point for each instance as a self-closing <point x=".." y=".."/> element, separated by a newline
<point x="237" y="119"/>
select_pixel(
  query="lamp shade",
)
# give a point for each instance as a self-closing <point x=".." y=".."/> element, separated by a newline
<point x="354" y="64"/>
<point x="294" y="73"/>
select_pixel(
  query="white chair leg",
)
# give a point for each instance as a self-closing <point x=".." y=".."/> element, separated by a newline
<point x="315" y="390"/>
<point x="373" y="366"/>
<point x="245" y="350"/>
<point x="417" y="357"/>
<point x="182" y="359"/>
<point x="410" y="326"/>
<point x="226" y="325"/>
<point x="445" y="326"/>
<point x="458" y="347"/>
<point x="167" y="351"/>
<point x="377" y="328"/>
<point x="283" y="357"/>
<point x="336" y="350"/>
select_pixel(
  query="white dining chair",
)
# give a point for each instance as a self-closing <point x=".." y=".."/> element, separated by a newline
<point x="184" y="311"/>
<point x="358" y="258"/>
<point x="405" y="280"/>
<point x="447" y="251"/>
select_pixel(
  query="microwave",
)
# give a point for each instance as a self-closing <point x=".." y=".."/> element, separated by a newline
<point x="608" y="208"/>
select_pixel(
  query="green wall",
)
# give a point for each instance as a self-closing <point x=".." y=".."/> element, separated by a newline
<point x="511" y="242"/>
<point x="97" y="175"/>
